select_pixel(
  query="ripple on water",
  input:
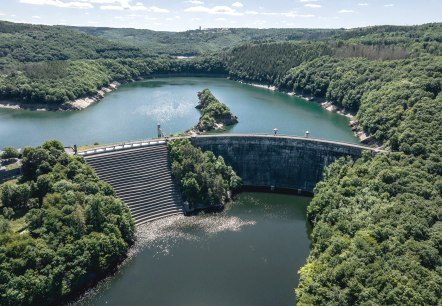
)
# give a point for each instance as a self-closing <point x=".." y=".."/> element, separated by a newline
<point x="161" y="235"/>
<point x="170" y="108"/>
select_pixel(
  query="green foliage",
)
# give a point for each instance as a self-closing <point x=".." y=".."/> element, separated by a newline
<point x="36" y="43"/>
<point x="9" y="152"/>
<point x="4" y="225"/>
<point x="383" y="94"/>
<point x="213" y="112"/>
<point x="15" y="196"/>
<point x="374" y="238"/>
<point x="204" y="179"/>
<point x="62" y="81"/>
<point x="416" y="40"/>
<point x="76" y="229"/>
<point x="198" y="42"/>
<point x="266" y="63"/>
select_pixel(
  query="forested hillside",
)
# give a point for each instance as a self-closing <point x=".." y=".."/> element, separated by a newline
<point x="61" y="228"/>
<point x="377" y="221"/>
<point x="53" y="65"/>
<point x="24" y="43"/>
<point x="266" y="63"/>
<point x="197" y="42"/>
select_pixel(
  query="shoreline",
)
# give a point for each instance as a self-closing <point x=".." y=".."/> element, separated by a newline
<point x="73" y="105"/>
<point x="355" y="126"/>
<point x="82" y="103"/>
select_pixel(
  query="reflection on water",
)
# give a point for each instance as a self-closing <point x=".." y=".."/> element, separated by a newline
<point x="169" y="109"/>
<point x="247" y="255"/>
<point x="161" y="235"/>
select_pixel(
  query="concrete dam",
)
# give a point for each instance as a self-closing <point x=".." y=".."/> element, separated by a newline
<point x="141" y="176"/>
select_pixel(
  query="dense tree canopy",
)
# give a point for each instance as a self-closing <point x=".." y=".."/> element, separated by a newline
<point x="204" y="179"/>
<point x="75" y="229"/>
<point x="377" y="234"/>
<point x="213" y="112"/>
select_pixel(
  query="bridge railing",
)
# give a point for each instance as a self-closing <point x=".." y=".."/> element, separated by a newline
<point x="121" y="146"/>
<point x="146" y="142"/>
<point x="361" y="146"/>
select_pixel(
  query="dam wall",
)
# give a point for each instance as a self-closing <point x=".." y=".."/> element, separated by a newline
<point x="277" y="162"/>
<point x="140" y="171"/>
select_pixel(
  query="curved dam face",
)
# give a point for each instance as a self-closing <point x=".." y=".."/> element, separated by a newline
<point x="284" y="162"/>
<point x="141" y="175"/>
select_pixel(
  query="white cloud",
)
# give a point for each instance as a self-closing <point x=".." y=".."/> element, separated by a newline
<point x="220" y="19"/>
<point x="346" y="11"/>
<point x="362" y="4"/>
<point x="311" y="5"/>
<point x="213" y="10"/>
<point x="111" y="8"/>
<point x="237" y="4"/>
<point x="389" y="5"/>
<point x="295" y="14"/>
<point x="58" y="3"/>
<point x="156" y="9"/>
<point x="36" y="17"/>
<point x="195" y="2"/>
<point x="292" y="14"/>
<point x="120" y="5"/>
<point x="308" y="0"/>
<point x="251" y="13"/>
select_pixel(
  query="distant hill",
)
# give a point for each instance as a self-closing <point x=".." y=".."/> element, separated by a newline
<point x="34" y="43"/>
<point x="196" y="42"/>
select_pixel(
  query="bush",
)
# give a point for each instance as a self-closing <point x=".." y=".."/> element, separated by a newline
<point x="9" y="152"/>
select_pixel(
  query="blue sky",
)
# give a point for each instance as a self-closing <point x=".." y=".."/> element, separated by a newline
<point x="179" y="15"/>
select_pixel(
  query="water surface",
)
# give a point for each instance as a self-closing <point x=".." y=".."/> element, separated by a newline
<point x="248" y="255"/>
<point x="132" y="112"/>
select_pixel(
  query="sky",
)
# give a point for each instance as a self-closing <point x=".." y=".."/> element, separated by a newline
<point x="181" y="15"/>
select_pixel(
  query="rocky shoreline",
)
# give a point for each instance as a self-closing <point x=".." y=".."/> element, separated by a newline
<point x="354" y="124"/>
<point x="77" y="104"/>
<point x="217" y="122"/>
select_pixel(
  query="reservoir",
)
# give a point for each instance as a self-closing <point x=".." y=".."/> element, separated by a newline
<point x="133" y="111"/>
<point x="247" y="255"/>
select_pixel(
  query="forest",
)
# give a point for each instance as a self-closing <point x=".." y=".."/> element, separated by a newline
<point x="213" y="113"/>
<point x="61" y="228"/>
<point x="199" y="42"/>
<point x="204" y="179"/>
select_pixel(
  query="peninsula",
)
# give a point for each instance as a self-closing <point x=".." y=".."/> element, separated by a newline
<point x="214" y="114"/>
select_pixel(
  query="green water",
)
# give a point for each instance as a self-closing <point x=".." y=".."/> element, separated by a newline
<point x="248" y="255"/>
<point x="132" y="112"/>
